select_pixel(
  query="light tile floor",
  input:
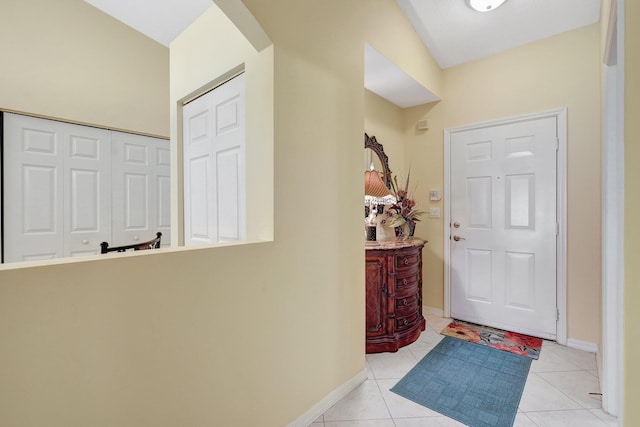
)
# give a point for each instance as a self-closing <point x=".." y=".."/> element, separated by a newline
<point x="556" y="392"/>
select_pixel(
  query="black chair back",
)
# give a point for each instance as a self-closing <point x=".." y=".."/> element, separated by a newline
<point x="151" y="244"/>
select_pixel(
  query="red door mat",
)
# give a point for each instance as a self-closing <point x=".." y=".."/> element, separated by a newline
<point x="513" y="342"/>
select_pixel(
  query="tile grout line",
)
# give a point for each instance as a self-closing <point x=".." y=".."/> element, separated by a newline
<point x="530" y="420"/>
<point x="385" y="402"/>
<point x="556" y="388"/>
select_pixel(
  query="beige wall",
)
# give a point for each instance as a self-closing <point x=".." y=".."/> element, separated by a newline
<point x="249" y="335"/>
<point x="424" y="153"/>
<point x="384" y="120"/>
<point x="631" y="213"/>
<point x="67" y="60"/>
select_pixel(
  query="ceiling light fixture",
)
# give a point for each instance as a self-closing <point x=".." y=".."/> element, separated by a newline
<point x="484" y="5"/>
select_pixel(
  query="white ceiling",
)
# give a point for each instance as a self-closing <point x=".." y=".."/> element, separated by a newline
<point x="384" y="78"/>
<point x="160" y="20"/>
<point x="454" y="33"/>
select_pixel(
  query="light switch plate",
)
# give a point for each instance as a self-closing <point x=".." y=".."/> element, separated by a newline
<point x="435" y="194"/>
<point x="434" y="212"/>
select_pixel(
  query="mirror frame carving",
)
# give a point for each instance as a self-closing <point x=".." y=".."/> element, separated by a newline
<point x="371" y="143"/>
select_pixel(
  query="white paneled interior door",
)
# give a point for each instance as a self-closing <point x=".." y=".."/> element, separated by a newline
<point x="57" y="184"/>
<point x="214" y="165"/>
<point x="503" y="226"/>
<point x="87" y="189"/>
<point x="141" y="189"/>
<point x="34" y="181"/>
<point x="69" y="187"/>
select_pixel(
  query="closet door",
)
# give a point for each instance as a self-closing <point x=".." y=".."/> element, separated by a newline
<point x="33" y="192"/>
<point x="214" y="165"/>
<point x="87" y="189"/>
<point x="141" y="189"/>
<point x="228" y="151"/>
<point x="57" y="189"/>
<point x="199" y="195"/>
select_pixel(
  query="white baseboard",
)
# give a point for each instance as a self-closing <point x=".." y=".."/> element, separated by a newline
<point x="329" y="400"/>
<point x="432" y="311"/>
<point x="582" y="345"/>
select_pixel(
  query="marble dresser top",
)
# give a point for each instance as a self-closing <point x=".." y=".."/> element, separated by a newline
<point x="394" y="244"/>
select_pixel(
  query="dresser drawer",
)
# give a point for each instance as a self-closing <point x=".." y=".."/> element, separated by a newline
<point x="406" y="321"/>
<point x="408" y="303"/>
<point x="408" y="260"/>
<point x="407" y="283"/>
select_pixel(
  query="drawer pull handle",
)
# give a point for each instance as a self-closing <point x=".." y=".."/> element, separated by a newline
<point x="405" y="322"/>
<point x="404" y="282"/>
<point x="406" y="261"/>
<point x="404" y="301"/>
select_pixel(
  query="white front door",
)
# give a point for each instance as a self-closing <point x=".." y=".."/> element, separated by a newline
<point x="503" y="226"/>
<point x="214" y="165"/>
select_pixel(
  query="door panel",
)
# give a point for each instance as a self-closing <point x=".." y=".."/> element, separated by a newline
<point x="164" y="203"/>
<point x="503" y="196"/>
<point x="227" y="175"/>
<point x="520" y="201"/>
<point x="40" y="199"/>
<point x="376" y="300"/>
<point x="85" y="203"/>
<point x="199" y="195"/>
<point x="136" y="195"/>
<point x="520" y="280"/>
<point x="480" y="194"/>
<point x="479" y="276"/>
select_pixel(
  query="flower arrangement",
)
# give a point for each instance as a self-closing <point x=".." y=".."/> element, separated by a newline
<point x="402" y="212"/>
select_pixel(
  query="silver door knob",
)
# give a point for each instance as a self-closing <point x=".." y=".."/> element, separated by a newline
<point x="458" y="238"/>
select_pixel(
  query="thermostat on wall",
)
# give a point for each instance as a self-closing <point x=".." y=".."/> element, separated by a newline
<point x="435" y="194"/>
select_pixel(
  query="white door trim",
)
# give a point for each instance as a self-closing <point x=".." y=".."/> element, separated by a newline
<point x="561" y="274"/>
<point x="611" y="375"/>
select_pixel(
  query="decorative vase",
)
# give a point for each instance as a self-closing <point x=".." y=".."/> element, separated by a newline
<point x="411" y="229"/>
<point x="406" y="230"/>
<point x="371" y="233"/>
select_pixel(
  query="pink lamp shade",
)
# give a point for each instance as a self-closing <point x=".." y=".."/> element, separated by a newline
<point x="373" y="185"/>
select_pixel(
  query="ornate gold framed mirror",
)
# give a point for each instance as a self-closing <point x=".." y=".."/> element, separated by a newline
<point x="372" y="144"/>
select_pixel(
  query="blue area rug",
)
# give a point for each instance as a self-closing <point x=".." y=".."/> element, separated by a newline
<point x="476" y="385"/>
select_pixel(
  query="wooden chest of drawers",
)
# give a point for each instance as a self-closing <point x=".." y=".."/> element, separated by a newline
<point x="393" y="294"/>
